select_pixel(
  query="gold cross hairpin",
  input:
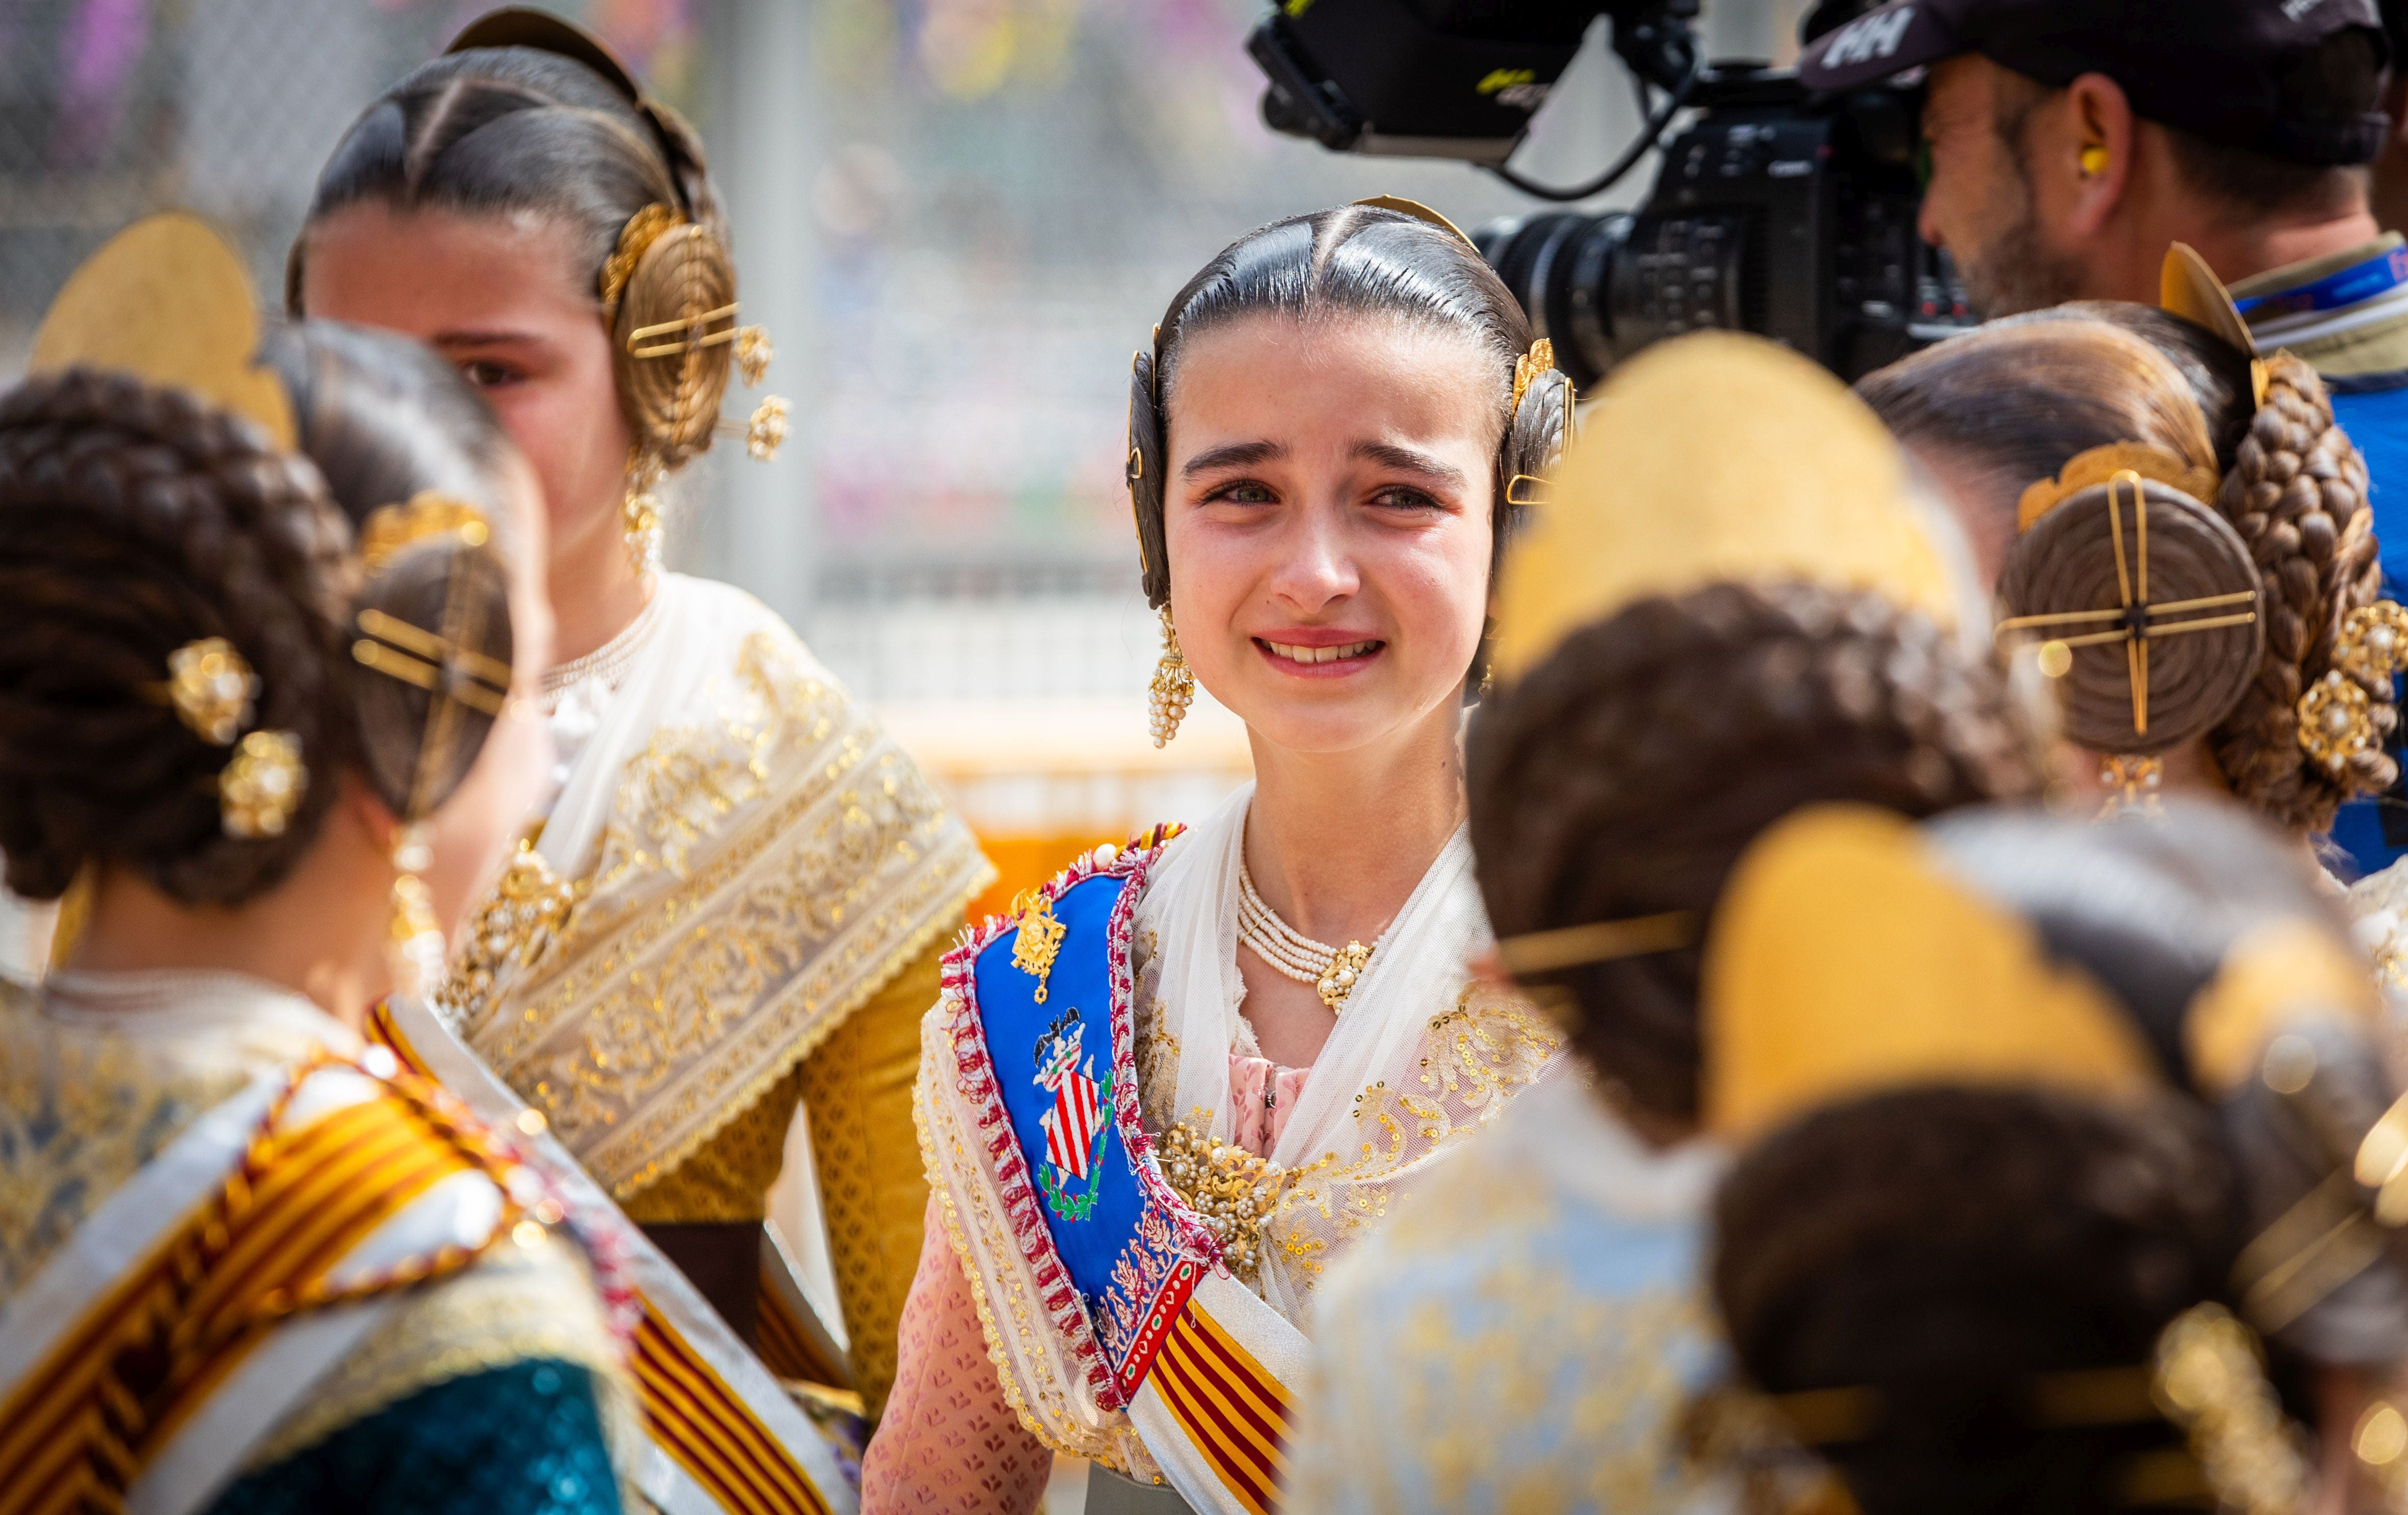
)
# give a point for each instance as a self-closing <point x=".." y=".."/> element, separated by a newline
<point x="696" y="334"/>
<point x="414" y="656"/>
<point x="2139" y="625"/>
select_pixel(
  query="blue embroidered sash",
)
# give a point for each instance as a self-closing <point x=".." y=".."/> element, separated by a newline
<point x="1065" y="1074"/>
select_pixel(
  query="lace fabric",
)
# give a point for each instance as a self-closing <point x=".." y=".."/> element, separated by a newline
<point x="949" y="1441"/>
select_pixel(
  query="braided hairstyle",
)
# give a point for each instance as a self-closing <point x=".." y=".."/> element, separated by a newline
<point x="1623" y="776"/>
<point x="1354" y="260"/>
<point x="135" y="519"/>
<point x="2297" y="494"/>
<point x="559" y="129"/>
<point x="1943" y="1247"/>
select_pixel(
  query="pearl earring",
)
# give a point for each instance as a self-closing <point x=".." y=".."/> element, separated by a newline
<point x="1173" y="689"/>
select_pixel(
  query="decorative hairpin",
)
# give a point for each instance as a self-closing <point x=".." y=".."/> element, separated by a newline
<point x="392" y="527"/>
<point x="416" y="656"/>
<point x="644" y="228"/>
<point x="2210" y="1381"/>
<point x="1541" y="359"/>
<point x="262" y="786"/>
<point x="2336" y="716"/>
<point x="212" y="688"/>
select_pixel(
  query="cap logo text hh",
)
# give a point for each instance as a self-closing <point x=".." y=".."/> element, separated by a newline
<point x="1877" y="36"/>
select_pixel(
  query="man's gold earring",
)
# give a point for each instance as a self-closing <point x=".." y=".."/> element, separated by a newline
<point x="415" y="942"/>
<point x="1173" y="689"/>
<point x="639" y="510"/>
<point x="2094" y="160"/>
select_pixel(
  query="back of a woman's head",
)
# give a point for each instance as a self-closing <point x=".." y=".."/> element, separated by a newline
<point x="1623" y="776"/>
<point x="137" y="520"/>
<point x="1357" y="260"/>
<point x="2018" y="398"/>
<point x="1949" y="1255"/>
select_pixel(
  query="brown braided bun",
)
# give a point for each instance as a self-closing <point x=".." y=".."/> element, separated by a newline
<point x="1623" y="776"/>
<point x="2067" y="562"/>
<point x="672" y="400"/>
<point x="1941" y="1247"/>
<point x="493" y="130"/>
<point x="2297" y="494"/>
<point x="134" y="520"/>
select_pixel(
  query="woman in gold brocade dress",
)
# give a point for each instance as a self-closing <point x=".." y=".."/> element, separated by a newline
<point x="737" y="898"/>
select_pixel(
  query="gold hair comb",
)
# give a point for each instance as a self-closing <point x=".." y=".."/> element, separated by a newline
<point x="392" y="527"/>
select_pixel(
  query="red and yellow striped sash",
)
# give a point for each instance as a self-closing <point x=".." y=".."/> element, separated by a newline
<point x="76" y="1431"/>
<point x="1233" y="1408"/>
<point x="689" y="1410"/>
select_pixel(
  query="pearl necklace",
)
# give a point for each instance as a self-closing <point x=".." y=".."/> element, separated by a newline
<point x="1332" y="971"/>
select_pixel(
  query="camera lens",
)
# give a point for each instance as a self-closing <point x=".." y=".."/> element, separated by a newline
<point x="1559" y="266"/>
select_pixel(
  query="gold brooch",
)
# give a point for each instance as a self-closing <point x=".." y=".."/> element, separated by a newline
<point x="1039" y="939"/>
<point x="2333" y="720"/>
<point x="1541" y="359"/>
<point x="212" y="688"/>
<point x="392" y="527"/>
<point x="766" y="432"/>
<point x="754" y="354"/>
<point x="2374" y="640"/>
<point x="262" y="785"/>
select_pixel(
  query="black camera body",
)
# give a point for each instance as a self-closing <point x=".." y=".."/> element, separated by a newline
<point x="1775" y="211"/>
<point x="1771" y="214"/>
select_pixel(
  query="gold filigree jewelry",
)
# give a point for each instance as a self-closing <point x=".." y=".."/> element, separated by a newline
<point x="1332" y="971"/>
<point x="754" y="354"/>
<point x="261" y="787"/>
<point x="639" y="510"/>
<point x="636" y="238"/>
<point x="1232" y="1190"/>
<point x="211" y="687"/>
<point x="767" y="431"/>
<point x="1039" y="939"/>
<point x="526" y="911"/>
<point x="2374" y="641"/>
<point x="2131" y="784"/>
<point x="414" y="940"/>
<point x="2209" y="1381"/>
<point x="392" y="527"/>
<point x="1541" y="359"/>
<point x="1172" y="689"/>
<point x="2335" y="720"/>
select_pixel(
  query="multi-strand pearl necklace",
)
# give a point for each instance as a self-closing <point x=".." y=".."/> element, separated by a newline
<point x="1332" y="971"/>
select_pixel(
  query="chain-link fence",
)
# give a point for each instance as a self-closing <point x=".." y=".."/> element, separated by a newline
<point x="113" y="108"/>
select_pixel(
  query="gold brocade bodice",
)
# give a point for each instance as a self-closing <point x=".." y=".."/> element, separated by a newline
<point x="763" y="858"/>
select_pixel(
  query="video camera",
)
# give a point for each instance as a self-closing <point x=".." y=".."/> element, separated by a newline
<point x="1774" y="211"/>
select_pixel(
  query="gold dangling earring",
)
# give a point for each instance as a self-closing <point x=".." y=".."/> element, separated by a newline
<point x="415" y="942"/>
<point x="1173" y="689"/>
<point x="639" y="510"/>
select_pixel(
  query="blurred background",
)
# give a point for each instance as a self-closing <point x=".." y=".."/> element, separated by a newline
<point x="957" y="218"/>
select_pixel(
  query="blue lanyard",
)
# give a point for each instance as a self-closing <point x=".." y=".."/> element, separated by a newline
<point x="2384" y="272"/>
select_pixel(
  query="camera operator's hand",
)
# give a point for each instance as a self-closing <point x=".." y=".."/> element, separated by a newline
<point x="2068" y="149"/>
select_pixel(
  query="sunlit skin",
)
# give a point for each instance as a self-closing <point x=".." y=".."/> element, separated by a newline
<point x="1330" y="484"/>
<point x="2097" y="235"/>
<point x="506" y="298"/>
<point x="321" y="931"/>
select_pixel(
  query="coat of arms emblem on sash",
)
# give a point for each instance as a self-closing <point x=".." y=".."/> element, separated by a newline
<point x="1080" y="1122"/>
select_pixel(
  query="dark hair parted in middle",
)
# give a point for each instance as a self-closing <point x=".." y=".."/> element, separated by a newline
<point x="135" y="519"/>
<point x="1357" y="260"/>
<point x="1623" y="776"/>
<point x="490" y="131"/>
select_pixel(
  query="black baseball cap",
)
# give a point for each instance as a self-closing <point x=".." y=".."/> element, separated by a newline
<point x="2211" y="67"/>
